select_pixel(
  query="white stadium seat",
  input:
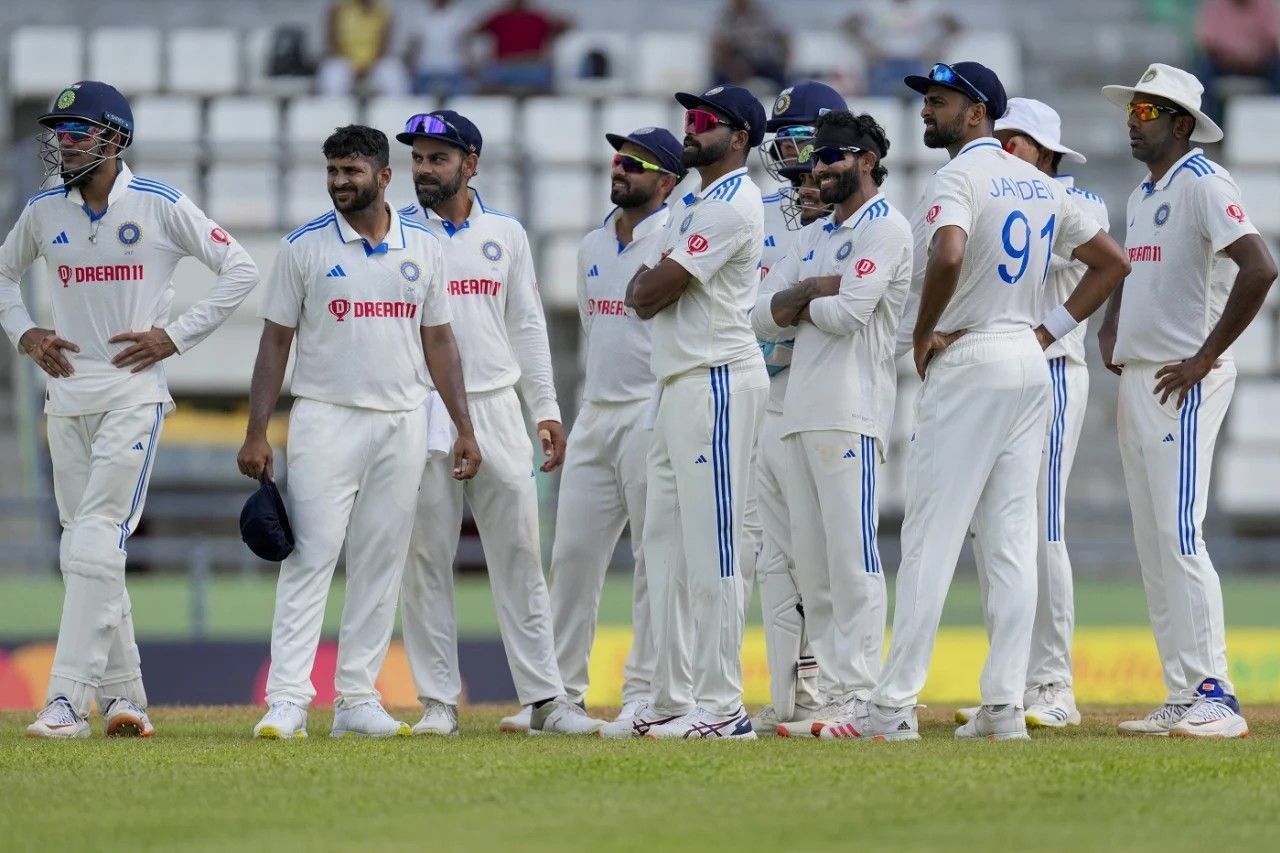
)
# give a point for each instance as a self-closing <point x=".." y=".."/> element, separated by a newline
<point x="202" y="61"/>
<point x="309" y="121"/>
<point x="557" y="259"/>
<point x="42" y="60"/>
<point x="1260" y="191"/>
<point x="1247" y="481"/>
<point x="306" y="195"/>
<point x="494" y="116"/>
<point x="245" y="128"/>
<point x="244" y="195"/>
<point x="1254" y="413"/>
<point x="563" y="199"/>
<point x="126" y="57"/>
<point x="389" y="113"/>
<point x="1255" y="349"/>
<point x="558" y="130"/>
<point x="1251" y="126"/>
<point x="570" y="52"/>
<point x="670" y="61"/>
<point x="167" y="127"/>
<point x="827" y="55"/>
<point x="996" y="49"/>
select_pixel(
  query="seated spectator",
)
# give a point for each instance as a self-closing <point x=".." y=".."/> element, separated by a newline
<point x="438" y="49"/>
<point x="522" y="39"/>
<point x="898" y="38"/>
<point x="749" y="45"/>
<point x="1238" y="38"/>
<point x="358" y="39"/>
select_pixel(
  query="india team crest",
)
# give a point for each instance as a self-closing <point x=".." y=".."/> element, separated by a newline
<point x="1162" y="214"/>
<point x="129" y="233"/>
<point x="844" y="250"/>
<point x="66" y="98"/>
<point x="410" y="271"/>
<point x="684" y="226"/>
<point x="492" y="251"/>
<point x="783" y="103"/>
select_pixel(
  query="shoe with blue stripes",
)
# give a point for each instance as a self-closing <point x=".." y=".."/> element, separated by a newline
<point x="1051" y="706"/>
<point x="701" y="724"/>
<point x="1158" y="723"/>
<point x="59" y="720"/>
<point x="1216" y="714"/>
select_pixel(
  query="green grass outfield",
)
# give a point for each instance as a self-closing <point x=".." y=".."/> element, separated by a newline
<point x="202" y="784"/>
<point x="240" y="608"/>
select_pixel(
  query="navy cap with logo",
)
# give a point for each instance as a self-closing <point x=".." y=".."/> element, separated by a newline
<point x="93" y="101"/>
<point x="972" y="79"/>
<point x="802" y="103"/>
<point x="737" y="104"/>
<point x="445" y="125"/>
<point x="264" y="525"/>
<point x="658" y="141"/>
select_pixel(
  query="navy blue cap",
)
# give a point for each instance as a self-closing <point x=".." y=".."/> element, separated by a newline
<point x="802" y="103"/>
<point x="736" y="103"/>
<point x="264" y="525"/>
<point x="659" y="142"/>
<point x="968" y="78"/>
<point x="92" y="100"/>
<point x="456" y="129"/>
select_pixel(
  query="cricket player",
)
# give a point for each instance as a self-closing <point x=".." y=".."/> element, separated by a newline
<point x="843" y="290"/>
<point x="362" y="289"/>
<point x="502" y="335"/>
<point x="113" y="239"/>
<point x="603" y="486"/>
<point x="1032" y="131"/>
<point x="710" y="397"/>
<point x="989" y="221"/>
<point x="1200" y="274"/>
<point x="793" y="672"/>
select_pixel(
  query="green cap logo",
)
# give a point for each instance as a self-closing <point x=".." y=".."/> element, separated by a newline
<point x="66" y="99"/>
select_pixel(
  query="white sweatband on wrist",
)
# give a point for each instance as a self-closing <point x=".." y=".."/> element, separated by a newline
<point x="1059" y="322"/>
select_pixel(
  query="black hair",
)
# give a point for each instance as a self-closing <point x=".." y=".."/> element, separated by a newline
<point x="865" y="126"/>
<point x="1056" y="162"/>
<point x="357" y="140"/>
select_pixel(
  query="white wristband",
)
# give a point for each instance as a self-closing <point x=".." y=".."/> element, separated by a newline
<point x="1059" y="322"/>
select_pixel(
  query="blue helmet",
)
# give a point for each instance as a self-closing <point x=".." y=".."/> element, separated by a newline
<point x="80" y="109"/>
<point x="794" y="112"/>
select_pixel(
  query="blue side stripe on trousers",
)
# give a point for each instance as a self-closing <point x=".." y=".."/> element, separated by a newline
<point x="720" y="468"/>
<point x="870" y="550"/>
<point x="140" y="488"/>
<point x="1187" y="472"/>
<point x="1057" y="433"/>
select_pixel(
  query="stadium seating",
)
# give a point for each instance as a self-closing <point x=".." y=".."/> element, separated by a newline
<point x="558" y="130"/>
<point x="666" y="62"/>
<point x="623" y="115"/>
<point x="558" y="272"/>
<point x="388" y="114"/>
<point x="127" y="56"/>
<point x="44" y="59"/>
<point x="571" y="51"/>
<point x="244" y="195"/>
<point x="167" y="127"/>
<point x="495" y="115"/>
<point x="309" y="120"/>
<point x="202" y="61"/>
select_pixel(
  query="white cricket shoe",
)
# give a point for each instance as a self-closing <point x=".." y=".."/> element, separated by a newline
<point x="1216" y="714"/>
<point x="517" y="723"/>
<point x="964" y="715"/>
<point x="368" y="719"/>
<point x="765" y="722"/>
<point x="59" y="720"/>
<point x="996" y="722"/>
<point x="437" y="719"/>
<point x="283" y="720"/>
<point x="637" y="725"/>
<point x="562" y="717"/>
<point x="872" y="722"/>
<point x="1051" y="706"/>
<point x="1158" y="723"/>
<point x="126" y="719"/>
<point x="629" y="710"/>
<point x="807" y="720"/>
<point x="701" y="724"/>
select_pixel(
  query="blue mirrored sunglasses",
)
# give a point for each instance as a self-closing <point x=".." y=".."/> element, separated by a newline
<point x="948" y="76"/>
<point x="427" y="124"/>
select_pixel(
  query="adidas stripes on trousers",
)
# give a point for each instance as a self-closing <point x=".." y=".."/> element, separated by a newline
<point x="1167" y="453"/>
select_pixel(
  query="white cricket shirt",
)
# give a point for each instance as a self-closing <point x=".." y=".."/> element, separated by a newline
<point x="777" y="238"/>
<point x="775" y="349"/>
<point x="358" y="310"/>
<point x="716" y="235"/>
<point x="1179" y="228"/>
<point x="493" y="297"/>
<point x="617" y="341"/>
<point x="1065" y="275"/>
<point x="113" y="273"/>
<point x="1015" y="217"/>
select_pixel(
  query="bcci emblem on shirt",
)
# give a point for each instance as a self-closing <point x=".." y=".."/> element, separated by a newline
<point x="492" y="251"/>
<point x="129" y="233"/>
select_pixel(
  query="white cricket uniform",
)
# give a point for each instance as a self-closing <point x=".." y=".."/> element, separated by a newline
<point x="602" y="489"/>
<point x="981" y="414"/>
<point x="502" y="337"/>
<point x="357" y="437"/>
<point x="711" y="394"/>
<point x="1179" y="229"/>
<point x="835" y="428"/>
<point x="111" y="273"/>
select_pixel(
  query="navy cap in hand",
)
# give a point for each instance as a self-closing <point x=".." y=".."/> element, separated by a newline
<point x="737" y="104"/>
<point x="658" y="141"/>
<point x="802" y="103"/>
<point x="264" y="525"/>
<point x="972" y="79"/>
<point x="445" y="125"/>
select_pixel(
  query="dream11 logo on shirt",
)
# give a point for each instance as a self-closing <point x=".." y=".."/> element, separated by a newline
<point x="339" y="308"/>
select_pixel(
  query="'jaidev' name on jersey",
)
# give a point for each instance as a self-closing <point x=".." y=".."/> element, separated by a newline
<point x="1025" y="190"/>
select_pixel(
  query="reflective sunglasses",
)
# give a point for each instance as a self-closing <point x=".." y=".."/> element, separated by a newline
<point x="633" y="165"/>
<point x="948" y="76"/>
<point x="700" y="121"/>
<point x="73" y="131"/>
<point x="426" y="124"/>
<point x="828" y="155"/>
<point x="1151" y="112"/>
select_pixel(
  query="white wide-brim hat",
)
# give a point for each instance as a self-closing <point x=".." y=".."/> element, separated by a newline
<point x="1172" y="84"/>
<point x="1039" y="121"/>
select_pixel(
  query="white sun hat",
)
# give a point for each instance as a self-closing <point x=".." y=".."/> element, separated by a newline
<point x="1173" y="84"/>
<point x="1039" y="121"/>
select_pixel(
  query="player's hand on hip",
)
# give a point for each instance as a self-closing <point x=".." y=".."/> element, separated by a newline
<point x="148" y="348"/>
<point x="466" y="457"/>
<point x="551" y="434"/>
<point x="1107" y="347"/>
<point x="1043" y="337"/>
<point x="927" y="348"/>
<point x="1180" y="378"/>
<point x="45" y="349"/>
<point x="254" y="458"/>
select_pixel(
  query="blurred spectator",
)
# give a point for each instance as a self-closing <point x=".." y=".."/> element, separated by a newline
<point x="522" y="39"/>
<point x="1238" y="38"/>
<point x="358" y="41"/>
<point x="749" y="45"/>
<point x="438" y="49"/>
<point x="898" y="38"/>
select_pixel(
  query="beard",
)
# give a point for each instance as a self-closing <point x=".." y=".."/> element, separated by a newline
<point x="360" y="199"/>
<point x="847" y="183"/>
<point x="703" y="155"/>
<point x="628" y="196"/>
<point x="944" y="136"/>
<point x="432" y="196"/>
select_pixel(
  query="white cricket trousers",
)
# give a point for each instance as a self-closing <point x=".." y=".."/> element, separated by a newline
<point x="980" y="422"/>
<point x="1054" y="627"/>
<point x="101" y="467"/>
<point x="831" y="490"/>
<point x="353" y="475"/>
<point x="703" y="435"/>
<point x="602" y="490"/>
<point x="1167" y="454"/>
<point x="504" y="501"/>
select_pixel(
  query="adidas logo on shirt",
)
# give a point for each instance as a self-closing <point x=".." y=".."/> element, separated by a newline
<point x="808" y="257"/>
<point x="137" y="445"/>
<point x="701" y="460"/>
<point x="769" y="242"/>
<point x="1168" y="437"/>
<point x="849" y="454"/>
<point x="593" y="272"/>
<point x="61" y="239"/>
<point x="336" y="272"/>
